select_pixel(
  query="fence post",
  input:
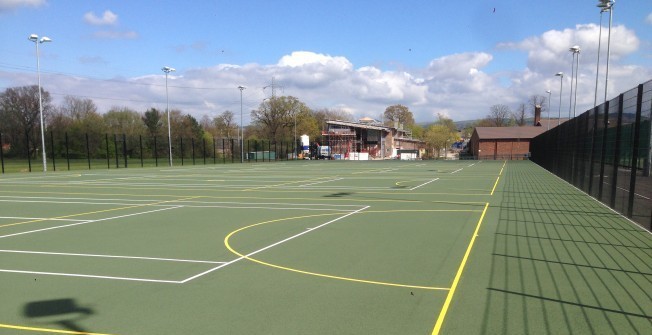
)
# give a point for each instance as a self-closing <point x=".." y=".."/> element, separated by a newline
<point x="88" y="152"/>
<point x="192" y="145"/>
<point x="181" y="143"/>
<point x="124" y="148"/>
<point x="604" y="148"/>
<point x="115" y="147"/>
<point x="155" y="152"/>
<point x="2" y="156"/>
<point x="54" y="164"/>
<point x="140" y="143"/>
<point x="67" y="152"/>
<point x="616" y="158"/>
<point x="214" y="152"/>
<point x="108" y="159"/>
<point x="635" y="149"/>
<point x="29" y="158"/>
<point x="203" y="149"/>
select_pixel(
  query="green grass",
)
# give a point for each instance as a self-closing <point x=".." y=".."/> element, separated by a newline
<point x="317" y="247"/>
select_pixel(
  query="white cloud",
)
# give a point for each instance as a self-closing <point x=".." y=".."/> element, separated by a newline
<point x="9" y="5"/>
<point x="648" y="19"/>
<point x="107" y="19"/>
<point x="460" y="86"/>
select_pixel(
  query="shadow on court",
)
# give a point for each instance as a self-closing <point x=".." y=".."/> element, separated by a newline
<point x="63" y="312"/>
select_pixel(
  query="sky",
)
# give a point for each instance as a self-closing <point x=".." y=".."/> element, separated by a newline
<point x="450" y="58"/>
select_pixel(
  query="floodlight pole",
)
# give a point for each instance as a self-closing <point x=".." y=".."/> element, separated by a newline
<point x="609" y="4"/>
<point x="241" y="88"/>
<point x="575" y="50"/>
<point x="561" y="88"/>
<point x="597" y="66"/>
<point x="34" y="38"/>
<point x="167" y="71"/>
<point x="549" y="93"/>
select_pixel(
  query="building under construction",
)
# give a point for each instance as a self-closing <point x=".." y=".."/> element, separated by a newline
<point x="369" y="139"/>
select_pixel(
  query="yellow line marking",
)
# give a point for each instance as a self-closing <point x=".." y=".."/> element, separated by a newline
<point x="46" y="330"/>
<point x="228" y="246"/>
<point x="460" y="270"/>
<point x="95" y="212"/>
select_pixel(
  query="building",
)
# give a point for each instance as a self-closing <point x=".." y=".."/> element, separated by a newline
<point x="507" y="142"/>
<point x="503" y="142"/>
<point x="368" y="139"/>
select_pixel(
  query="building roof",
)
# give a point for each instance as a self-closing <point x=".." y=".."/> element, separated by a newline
<point x="503" y="133"/>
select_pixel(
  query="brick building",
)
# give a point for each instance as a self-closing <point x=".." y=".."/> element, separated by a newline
<point x="503" y="142"/>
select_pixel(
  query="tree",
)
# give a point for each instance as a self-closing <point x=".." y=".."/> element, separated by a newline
<point x="19" y="112"/>
<point x="400" y="114"/>
<point x="438" y="137"/>
<point x="77" y="108"/>
<point x="225" y="124"/>
<point x="122" y="120"/>
<point x="152" y="119"/>
<point x="520" y="116"/>
<point x="277" y="116"/>
<point x="536" y="100"/>
<point x="499" y="115"/>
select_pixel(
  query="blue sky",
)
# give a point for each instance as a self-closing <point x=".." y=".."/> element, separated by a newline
<point x="457" y="58"/>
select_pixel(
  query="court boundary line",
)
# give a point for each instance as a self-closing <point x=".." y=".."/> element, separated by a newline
<point x="79" y="275"/>
<point x="87" y="221"/>
<point x="458" y="275"/>
<point x="48" y="330"/>
<point x="108" y="256"/>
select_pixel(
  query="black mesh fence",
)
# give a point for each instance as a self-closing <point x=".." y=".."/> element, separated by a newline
<point x="75" y="150"/>
<point x="606" y="153"/>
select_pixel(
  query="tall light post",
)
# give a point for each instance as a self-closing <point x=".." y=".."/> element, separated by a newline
<point x="241" y="88"/>
<point x="597" y="66"/>
<point x="575" y="50"/>
<point x="167" y="71"/>
<point x="607" y="5"/>
<point x="549" y="93"/>
<point x="561" y="88"/>
<point x="34" y="38"/>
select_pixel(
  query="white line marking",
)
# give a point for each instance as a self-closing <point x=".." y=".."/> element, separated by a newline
<point x="458" y="170"/>
<point x="25" y="218"/>
<point x="321" y="182"/>
<point x="91" y="276"/>
<point x="88" y="221"/>
<point x="426" y="183"/>
<point x="109" y="256"/>
<point x="270" y="246"/>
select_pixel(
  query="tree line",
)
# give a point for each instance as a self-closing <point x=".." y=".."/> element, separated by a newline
<point x="277" y="119"/>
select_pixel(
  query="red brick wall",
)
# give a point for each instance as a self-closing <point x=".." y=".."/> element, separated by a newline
<point x="503" y="149"/>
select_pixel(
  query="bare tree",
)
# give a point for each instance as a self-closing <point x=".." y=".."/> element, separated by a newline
<point x="499" y="115"/>
<point x="536" y="100"/>
<point x="19" y="113"/>
<point x="225" y="124"/>
<point x="520" y="115"/>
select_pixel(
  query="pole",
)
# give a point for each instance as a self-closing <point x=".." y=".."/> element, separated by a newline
<point x="597" y="67"/>
<point x="167" y="108"/>
<point x="561" y="88"/>
<point x="549" y="97"/>
<point x="570" y="97"/>
<point x="606" y="81"/>
<point x="241" y="88"/>
<point x="40" y="103"/>
<point x="577" y="71"/>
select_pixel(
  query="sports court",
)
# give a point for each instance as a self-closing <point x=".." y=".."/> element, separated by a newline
<point x="318" y="247"/>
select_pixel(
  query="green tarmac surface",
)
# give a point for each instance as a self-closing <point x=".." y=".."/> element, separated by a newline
<point x="318" y="247"/>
